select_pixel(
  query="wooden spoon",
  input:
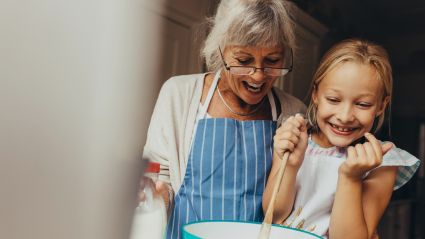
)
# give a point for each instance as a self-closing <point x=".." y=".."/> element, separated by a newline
<point x="268" y="218"/>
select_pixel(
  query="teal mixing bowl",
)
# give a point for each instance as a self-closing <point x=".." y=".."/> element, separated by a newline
<point x="240" y="230"/>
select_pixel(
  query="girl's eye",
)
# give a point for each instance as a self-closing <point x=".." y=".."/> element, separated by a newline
<point x="364" y="104"/>
<point x="332" y="100"/>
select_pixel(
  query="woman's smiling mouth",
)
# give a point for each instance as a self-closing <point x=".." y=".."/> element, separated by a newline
<point x="255" y="88"/>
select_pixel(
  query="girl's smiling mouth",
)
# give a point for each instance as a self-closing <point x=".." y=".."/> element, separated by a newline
<point x="342" y="130"/>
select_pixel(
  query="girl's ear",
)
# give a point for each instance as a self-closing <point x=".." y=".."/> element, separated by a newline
<point x="383" y="106"/>
<point x="314" y="95"/>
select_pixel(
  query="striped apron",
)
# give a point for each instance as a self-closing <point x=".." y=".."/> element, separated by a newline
<point x="227" y="170"/>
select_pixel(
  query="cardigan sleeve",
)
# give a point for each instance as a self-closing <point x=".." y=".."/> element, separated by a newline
<point x="289" y="105"/>
<point x="160" y="142"/>
<point x="171" y="123"/>
<point x="162" y="137"/>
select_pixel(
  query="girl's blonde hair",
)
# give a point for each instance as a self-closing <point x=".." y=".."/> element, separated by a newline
<point x="358" y="51"/>
<point x="248" y="23"/>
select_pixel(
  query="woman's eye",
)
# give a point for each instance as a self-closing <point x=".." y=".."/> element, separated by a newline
<point x="272" y="61"/>
<point x="244" y="61"/>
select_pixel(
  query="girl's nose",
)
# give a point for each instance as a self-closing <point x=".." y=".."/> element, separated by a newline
<point x="345" y="114"/>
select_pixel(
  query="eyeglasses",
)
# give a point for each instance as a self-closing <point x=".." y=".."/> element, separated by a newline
<point x="249" y="70"/>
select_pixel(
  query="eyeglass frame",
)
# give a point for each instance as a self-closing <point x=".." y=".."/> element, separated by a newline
<point x="258" y="68"/>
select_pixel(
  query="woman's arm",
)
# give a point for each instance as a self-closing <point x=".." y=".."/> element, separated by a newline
<point x="359" y="204"/>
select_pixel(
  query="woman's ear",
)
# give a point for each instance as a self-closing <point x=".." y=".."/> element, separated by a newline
<point x="383" y="106"/>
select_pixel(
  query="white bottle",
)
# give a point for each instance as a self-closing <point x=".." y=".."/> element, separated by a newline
<point x="150" y="217"/>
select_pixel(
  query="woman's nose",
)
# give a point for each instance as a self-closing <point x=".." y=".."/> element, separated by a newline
<point x="258" y="74"/>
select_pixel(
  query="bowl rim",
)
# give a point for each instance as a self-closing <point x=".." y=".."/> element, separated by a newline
<point x="191" y="236"/>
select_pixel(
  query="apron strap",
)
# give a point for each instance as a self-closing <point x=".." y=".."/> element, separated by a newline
<point x="211" y="93"/>
<point x="272" y="105"/>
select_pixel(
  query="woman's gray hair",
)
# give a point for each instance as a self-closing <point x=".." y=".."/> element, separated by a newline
<point x="264" y="23"/>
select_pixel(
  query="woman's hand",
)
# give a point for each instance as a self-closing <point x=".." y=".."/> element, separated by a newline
<point x="158" y="189"/>
<point x="292" y="136"/>
<point x="363" y="158"/>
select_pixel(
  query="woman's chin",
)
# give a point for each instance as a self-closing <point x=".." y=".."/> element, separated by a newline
<point x="249" y="100"/>
<point x="252" y="98"/>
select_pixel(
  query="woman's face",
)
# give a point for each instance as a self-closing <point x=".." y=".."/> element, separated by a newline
<point x="251" y="88"/>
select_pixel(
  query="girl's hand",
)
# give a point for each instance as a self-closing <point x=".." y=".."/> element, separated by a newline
<point x="292" y="136"/>
<point x="363" y="157"/>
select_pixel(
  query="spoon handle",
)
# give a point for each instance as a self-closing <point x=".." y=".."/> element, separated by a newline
<point x="268" y="218"/>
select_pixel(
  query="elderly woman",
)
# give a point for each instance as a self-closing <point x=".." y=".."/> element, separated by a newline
<point x="212" y="133"/>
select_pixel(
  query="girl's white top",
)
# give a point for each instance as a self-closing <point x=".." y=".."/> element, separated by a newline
<point x="317" y="180"/>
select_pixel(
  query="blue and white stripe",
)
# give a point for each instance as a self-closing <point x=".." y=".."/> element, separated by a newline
<point x="226" y="173"/>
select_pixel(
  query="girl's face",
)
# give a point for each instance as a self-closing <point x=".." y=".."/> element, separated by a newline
<point x="251" y="88"/>
<point x="348" y="99"/>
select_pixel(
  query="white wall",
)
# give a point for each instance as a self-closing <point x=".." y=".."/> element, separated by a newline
<point x="78" y="80"/>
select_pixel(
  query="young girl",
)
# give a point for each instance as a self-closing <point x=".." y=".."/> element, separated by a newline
<point x="337" y="184"/>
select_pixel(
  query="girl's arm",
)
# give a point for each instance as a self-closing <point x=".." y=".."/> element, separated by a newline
<point x="286" y="195"/>
<point x="359" y="204"/>
<point x="291" y="136"/>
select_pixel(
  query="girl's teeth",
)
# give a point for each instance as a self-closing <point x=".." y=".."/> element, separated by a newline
<point x="341" y="128"/>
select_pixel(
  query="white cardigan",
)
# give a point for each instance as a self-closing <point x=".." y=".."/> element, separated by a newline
<point x="173" y="121"/>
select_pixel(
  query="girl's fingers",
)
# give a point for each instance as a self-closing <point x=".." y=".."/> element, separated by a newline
<point x="293" y="121"/>
<point x="375" y="144"/>
<point x="287" y="132"/>
<point x="298" y="122"/>
<point x="370" y="150"/>
<point x="381" y="149"/>
<point x="371" y="154"/>
<point x="290" y="136"/>
<point x="351" y="152"/>
<point x="361" y="153"/>
<point x="296" y="131"/>
<point x="285" y="145"/>
<point x="386" y="147"/>
<point x="287" y="135"/>
<point x="294" y="124"/>
<point x="286" y="122"/>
